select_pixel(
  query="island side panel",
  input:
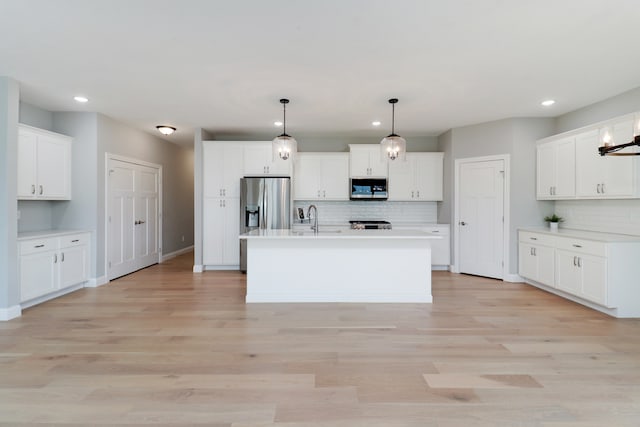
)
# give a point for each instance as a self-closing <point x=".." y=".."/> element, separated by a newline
<point x="339" y="270"/>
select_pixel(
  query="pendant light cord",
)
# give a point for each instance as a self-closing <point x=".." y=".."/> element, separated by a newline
<point x="393" y="119"/>
<point x="284" y="118"/>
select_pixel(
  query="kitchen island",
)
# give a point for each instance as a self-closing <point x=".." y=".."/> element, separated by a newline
<point x="339" y="266"/>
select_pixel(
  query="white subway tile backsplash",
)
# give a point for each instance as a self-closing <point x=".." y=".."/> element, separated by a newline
<point x="394" y="212"/>
<point x="607" y="216"/>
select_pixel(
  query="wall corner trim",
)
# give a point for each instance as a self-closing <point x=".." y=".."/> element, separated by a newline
<point x="96" y="282"/>
<point x="513" y="278"/>
<point x="198" y="268"/>
<point x="10" y="313"/>
<point x="176" y="253"/>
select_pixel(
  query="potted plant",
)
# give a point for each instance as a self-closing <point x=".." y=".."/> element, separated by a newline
<point x="553" y="221"/>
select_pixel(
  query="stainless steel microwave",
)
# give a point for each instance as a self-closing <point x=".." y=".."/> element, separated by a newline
<point x="369" y="189"/>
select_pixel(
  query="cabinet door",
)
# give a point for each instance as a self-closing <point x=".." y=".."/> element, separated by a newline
<point x="565" y="169"/>
<point x="589" y="165"/>
<point x="306" y="183"/>
<point x="567" y="272"/>
<point x="73" y="264"/>
<point x="222" y="168"/>
<point x="594" y="278"/>
<point x="618" y="179"/>
<point x="53" y="168"/>
<point x="378" y="164"/>
<point x="546" y="264"/>
<point x="231" y="232"/>
<point x="546" y="170"/>
<point x="427" y="170"/>
<point x="26" y="164"/>
<point x="527" y="264"/>
<point x="441" y="249"/>
<point x="213" y="231"/>
<point x="402" y="185"/>
<point x="257" y="158"/>
<point x="37" y="275"/>
<point x="359" y="161"/>
<point x="335" y="177"/>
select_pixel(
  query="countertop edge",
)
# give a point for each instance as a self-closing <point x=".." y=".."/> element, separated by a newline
<point x="48" y="233"/>
<point x="595" y="236"/>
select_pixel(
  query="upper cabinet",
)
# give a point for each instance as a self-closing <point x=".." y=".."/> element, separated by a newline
<point x="258" y="160"/>
<point x="223" y="163"/>
<point x="44" y="165"/>
<point x="569" y="165"/>
<point x="556" y="169"/>
<point x="417" y="179"/>
<point x="321" y="176"/>
<point x="365" y="160"/>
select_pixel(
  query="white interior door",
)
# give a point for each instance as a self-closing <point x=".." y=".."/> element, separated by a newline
<point x="481" y="216"/>
<point x="133" y="217"/>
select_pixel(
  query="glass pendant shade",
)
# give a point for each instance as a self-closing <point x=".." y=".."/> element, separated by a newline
<point x="284" y="146"/>
<point x="393" y="146"/>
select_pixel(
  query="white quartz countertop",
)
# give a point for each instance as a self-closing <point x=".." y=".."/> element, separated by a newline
<point x="584" y="234"/>
<point x="48" y="233"/>
<point x="339" y="234"/>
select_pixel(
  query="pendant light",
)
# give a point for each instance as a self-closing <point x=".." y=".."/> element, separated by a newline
<point x="284" y="146"/>
<point x="393" y="146"/>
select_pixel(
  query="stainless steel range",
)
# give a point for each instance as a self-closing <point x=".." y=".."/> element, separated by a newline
<point x="370" y="225"/>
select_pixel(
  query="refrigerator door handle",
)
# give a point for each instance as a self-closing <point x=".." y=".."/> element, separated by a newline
<point x="266" y="205"/>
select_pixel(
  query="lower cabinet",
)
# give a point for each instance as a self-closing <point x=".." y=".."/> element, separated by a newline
<point x="48" y="265"/>
<point x="595" y="271"/>
<point x="440" y="249"/>
<point x="221" y="227"/>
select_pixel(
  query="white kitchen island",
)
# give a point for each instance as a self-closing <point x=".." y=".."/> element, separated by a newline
<point x="339" y="266"/>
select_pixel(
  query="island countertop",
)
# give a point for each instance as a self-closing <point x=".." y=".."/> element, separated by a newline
<point x="340" y="234"/>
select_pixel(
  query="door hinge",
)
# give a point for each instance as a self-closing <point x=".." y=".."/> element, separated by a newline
<point x="109" y="264"/>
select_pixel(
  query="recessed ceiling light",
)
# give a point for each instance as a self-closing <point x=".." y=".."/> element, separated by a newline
<point x="376" y="123"/>
<point x="277" y="124"/>
<point x="165" y="130"/>
<point x="548" y="102"/>
<point x="82" y="99"/>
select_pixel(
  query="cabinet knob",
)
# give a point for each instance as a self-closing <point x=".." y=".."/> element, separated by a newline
<point x="33" y="189"/>
<point x="41" y="190"/>
<point x="418" y="194"/>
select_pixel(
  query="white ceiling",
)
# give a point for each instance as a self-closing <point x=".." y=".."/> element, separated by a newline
<point x="223" y="65"/>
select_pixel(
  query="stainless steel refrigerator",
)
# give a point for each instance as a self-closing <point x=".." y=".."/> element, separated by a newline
<point x="265" y="202"/>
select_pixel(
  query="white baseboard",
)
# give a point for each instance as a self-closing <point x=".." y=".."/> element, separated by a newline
<point x="513" y="278"/>
<point x="439" y="268"/>
<point x="176" y="253"/>
<point x="221" y="267"/>
<point x="198" y="268"/>
<point x="96" y="281"/>
<point x="10" y="313"/>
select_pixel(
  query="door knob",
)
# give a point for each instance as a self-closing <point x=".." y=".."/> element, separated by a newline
<point x="463" y="223"/>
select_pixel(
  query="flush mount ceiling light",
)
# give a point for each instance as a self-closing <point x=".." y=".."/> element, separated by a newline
<point x="165" y="130"/>
<point x="81" y="99"/>
<point x="548" y="103"/>
<point x="376" y="123"/>
<point x="393" y="146"/>
<point x="284" y="146"/>
<point x="277" y="124"/>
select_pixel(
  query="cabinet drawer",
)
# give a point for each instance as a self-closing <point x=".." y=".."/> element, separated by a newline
<point x="582" y="246"/>
<point x="74" y="240"/>
<point x="537" y="238"/>
<point x="35" y="246"/>
<point x="442" y="231"/>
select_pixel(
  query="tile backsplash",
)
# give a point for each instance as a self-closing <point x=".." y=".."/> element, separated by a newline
<point x="394" y="212"/>
<point x="608" y="216"/>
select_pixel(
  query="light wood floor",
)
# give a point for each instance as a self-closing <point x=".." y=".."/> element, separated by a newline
<point x="166" y="346"/>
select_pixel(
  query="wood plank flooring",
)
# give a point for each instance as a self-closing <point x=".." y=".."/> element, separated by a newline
<point x="165" y="346"/>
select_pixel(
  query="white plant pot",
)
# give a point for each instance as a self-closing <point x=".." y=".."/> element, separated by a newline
<point x="553" y="226"/>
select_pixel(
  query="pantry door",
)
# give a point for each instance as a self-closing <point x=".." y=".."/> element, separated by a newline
<point x="480" y="227"/>
<point x="133" y="216"/>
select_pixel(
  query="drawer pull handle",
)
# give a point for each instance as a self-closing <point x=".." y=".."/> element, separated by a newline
<point x="533" y="238"/>
<point x="435" y="231"/>
<point x="39" y="246"/>
<point x="75" y="240"/>
<point x="577" y="246"/>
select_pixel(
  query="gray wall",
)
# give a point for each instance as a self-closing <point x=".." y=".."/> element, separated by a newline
<point x="515" y="137"/>
<point x="36" y="116"/>
<point x="9" y="106"/>
<point x="619" y="105"/>
<point x="177" y="184"/>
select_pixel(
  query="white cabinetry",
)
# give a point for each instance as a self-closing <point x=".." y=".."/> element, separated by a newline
<point x="366" y="160"/>
<point x="258" y="160"/>
<point x="595" y="269"/>
<point x="223" y="163"/>
<point x="556" y="169"/>
<point x="441" y="248"/>
<point x="570" y="166"/>
<point x="50" y="265"/>
<point x="44" y="165"/>
<point x="417" y="179"/>
<point x="536" y="261"/>
<point x="321" y="176"/>
<point x="221" y="228"/>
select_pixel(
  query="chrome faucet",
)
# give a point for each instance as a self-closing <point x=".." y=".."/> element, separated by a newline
<point x="314" y="227"/>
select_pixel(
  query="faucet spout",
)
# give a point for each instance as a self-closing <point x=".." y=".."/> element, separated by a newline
<point x="314" y="227"/>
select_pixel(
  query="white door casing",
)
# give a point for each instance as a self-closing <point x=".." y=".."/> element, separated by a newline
<point x="481" y="219"/>
<point x="133" y="215"/>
